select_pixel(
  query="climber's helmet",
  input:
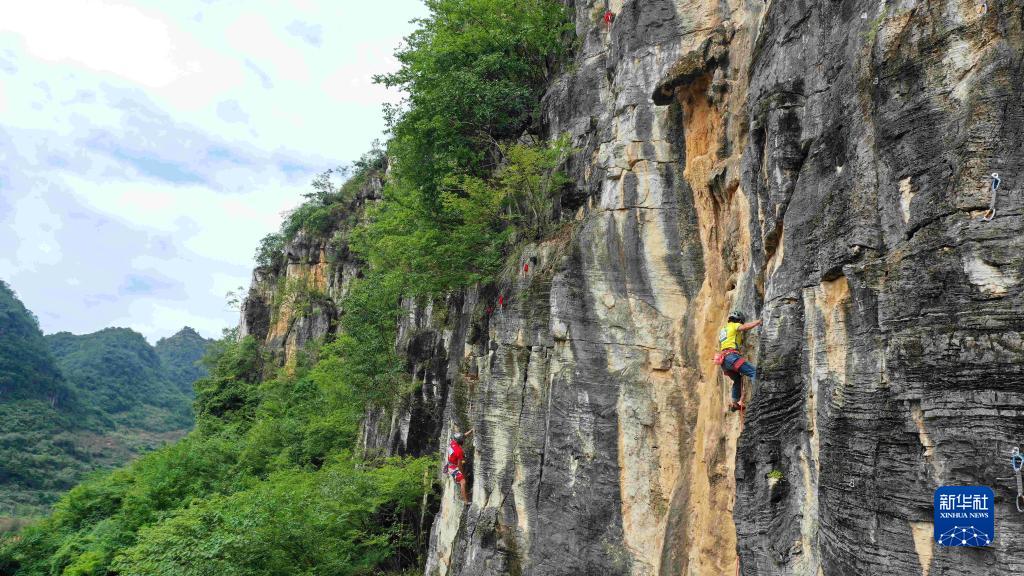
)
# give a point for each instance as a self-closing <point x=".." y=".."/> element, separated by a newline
<point x="735" y="316"/>
<point x="458" y="437"/>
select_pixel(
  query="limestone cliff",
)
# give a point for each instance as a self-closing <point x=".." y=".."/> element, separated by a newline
<point x="822" y="165"/>
<point x="295" y="302"/>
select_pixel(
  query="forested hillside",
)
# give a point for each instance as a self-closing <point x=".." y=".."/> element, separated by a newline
<point x="73" y="404"/>
<point x="39" y="453"/>
<point x="574" y="199"/>
<point x="122" y="376"/>
<point x="274" y="478"/>
<point x="180" y="356"/>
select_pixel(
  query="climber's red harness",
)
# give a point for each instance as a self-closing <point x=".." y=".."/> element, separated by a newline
<point x="720" y="357"/>
<point x="723" y="354"/>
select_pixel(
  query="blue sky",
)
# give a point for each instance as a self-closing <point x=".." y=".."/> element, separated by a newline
<point x="146" y="147"/>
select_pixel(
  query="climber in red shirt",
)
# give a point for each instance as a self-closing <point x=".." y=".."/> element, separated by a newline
<point x="456" y="458"/>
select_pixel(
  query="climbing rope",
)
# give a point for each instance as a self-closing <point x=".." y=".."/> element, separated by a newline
<point x="988" y="216"/>
<point x="1017" y="462"/>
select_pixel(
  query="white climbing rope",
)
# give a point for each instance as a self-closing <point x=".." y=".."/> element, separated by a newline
<point x="991" y="213"/>
<point x="1017" y="462"/>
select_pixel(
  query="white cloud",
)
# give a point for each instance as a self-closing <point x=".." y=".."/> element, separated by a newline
<point x="161" y="315"/>
<point x="34" y="219"/>
<point x="254" y="36"/>
<point x="98" y="35"/>
<point x="111" y="37"/>
<point x="352" y="82"/>
<point x="147" y="146"/>
<point x="310" y="33"/>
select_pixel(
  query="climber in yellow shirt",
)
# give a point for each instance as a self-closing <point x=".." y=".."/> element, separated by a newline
<point x="735" y="366"/>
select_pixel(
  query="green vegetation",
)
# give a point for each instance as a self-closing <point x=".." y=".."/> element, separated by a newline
<point x="364" y="356"/>
<point x="74" y="404"/>
<point x="775" y="475"/>
<point x="269" y="254"/>
<point x="474" y="73"/>
<point x="342" y="520"/>
<point x="463" y="239"/>
<point x="27" y="369"/>
<point x="38" y="457"/>
<point x="323" y="207"/>
<point x="116" y="371"/>
<point x="327" y="204"/>
<point x="268" y="482"/>
<point x="180" y="356"/>
<point x="875" y="26"/>
<point x="265" y="484"/>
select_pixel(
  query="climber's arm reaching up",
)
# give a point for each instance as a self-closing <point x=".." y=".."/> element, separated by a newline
<point x="750" y="325"/>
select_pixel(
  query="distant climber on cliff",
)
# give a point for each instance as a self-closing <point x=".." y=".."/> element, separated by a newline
<point x="735" y="366"/>
<point x="456" y="459"/>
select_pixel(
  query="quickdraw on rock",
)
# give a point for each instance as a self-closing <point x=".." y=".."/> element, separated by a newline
<point x="991" y="213"/>
<point x="1017" y="462"/>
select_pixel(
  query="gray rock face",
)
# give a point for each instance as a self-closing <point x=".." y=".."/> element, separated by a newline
<point x="822" y="165"/>
<point x="602" y="445"/>
<point x="413" y="426"/>
<point x="296" y="303"/>
<point x="892" y="358"/>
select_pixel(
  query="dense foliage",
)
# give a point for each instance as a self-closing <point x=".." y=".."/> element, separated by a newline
<point x="39" y="457"/>
<point x="268" y="482"/>
<point x="328" y="203"/>
<point x="466" y="237"/>
<point x="116" y="371"/>
<point x="474" y="73"/>
<point x="180" y="356"/>
<point x="27" y="369"/>
<point x="73" y="404"/>
<point x="265" y="484"/>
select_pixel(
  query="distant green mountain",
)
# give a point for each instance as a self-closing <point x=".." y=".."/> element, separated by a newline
<point x="39" y="455"/>
<point x="116" y="371"/>
<point x="180" y="354"/>
<point x="27" y="369"/>
<point x="70" y="404"/>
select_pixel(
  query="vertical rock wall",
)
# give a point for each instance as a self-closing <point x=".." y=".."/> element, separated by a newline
<point x="822" y="164"/>
<point x="603" y="445"/>
<point x="295" y="303"/>
<point x="892" y="357"/>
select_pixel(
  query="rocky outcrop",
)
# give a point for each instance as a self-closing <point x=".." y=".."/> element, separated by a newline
<point x="891" y="362"/>
<point x="822" y="165"/>
<point x="295" y="303"/>
<point x="603" y="446"/>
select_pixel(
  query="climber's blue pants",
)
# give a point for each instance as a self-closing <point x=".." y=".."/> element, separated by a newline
<point x="745" y="369"/>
